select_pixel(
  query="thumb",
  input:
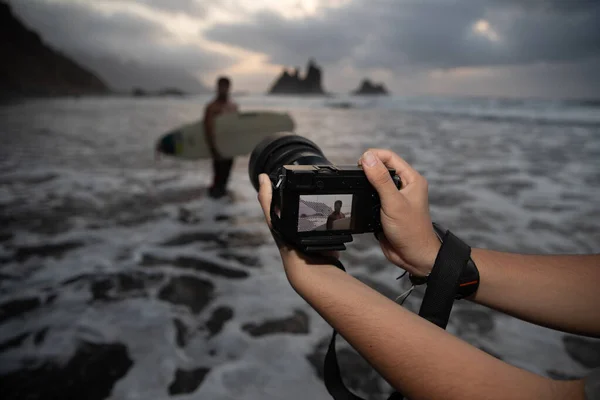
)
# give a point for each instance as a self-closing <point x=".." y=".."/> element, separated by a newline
<point x="265" y="196"/>
<point x="379" y="176"/>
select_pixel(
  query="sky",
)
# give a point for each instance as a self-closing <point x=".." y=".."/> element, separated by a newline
<point x="521" y="48"/>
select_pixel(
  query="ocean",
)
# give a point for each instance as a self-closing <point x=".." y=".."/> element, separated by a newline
<point x="121" y="279"/>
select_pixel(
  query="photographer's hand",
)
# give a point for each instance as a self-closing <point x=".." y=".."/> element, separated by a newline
<point x="408" y="238"/>
<point x="293" y="261"/>
<point x="400" y="345"/>
<point x="506" y="279"/>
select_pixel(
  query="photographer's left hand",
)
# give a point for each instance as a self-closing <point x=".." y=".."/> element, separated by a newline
<point x="293" y="261"/>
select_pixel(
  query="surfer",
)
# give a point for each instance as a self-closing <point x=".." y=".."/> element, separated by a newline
<point x="335" y="215"/>
<point x="221" y="166"/>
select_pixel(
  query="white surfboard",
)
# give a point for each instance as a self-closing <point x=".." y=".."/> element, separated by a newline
<point x="235" y="133"/>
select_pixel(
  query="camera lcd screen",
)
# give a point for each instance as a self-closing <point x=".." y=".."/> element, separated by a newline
<point x="325" y="212"/>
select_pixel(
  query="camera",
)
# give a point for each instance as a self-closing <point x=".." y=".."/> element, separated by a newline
<point x="317" y="206"/>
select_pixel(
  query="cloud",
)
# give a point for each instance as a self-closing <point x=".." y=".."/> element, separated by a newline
<point x="549" y="31"/>
<point x="124" y="76"/>
<point x="80" y="28"/>
<point x="289" y="41"/>
<point x="550" y="5"/>
<point x="425" y="34"/>
<point x="556" y="80"/>
<point x="404" y="42"/>
<point x="196" y="8"/>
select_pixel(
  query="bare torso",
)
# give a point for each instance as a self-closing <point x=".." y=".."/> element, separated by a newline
<point x="334" y="217"/>
<point x="217" y="107"/>
<point x="212" y="110"/>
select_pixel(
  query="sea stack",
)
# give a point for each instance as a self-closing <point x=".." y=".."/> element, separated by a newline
<point x="368" y="88"/>
<point x="293" y="83"/>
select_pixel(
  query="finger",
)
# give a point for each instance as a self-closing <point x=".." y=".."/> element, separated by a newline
<point x="265" y="194"/>
<point x="380" y="178"/>
<point x="391" y="160"/>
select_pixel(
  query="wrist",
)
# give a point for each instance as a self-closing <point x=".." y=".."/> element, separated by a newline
<point x="295" y="267"/>
<point x="291" y="267"/>
<point x="299" y="270"/>
<point x="427" y="259"/>
<point x="468" y="280"/>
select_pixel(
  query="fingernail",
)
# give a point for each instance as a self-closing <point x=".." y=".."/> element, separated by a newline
<point x="261" y="179"/>
<point x="369" y="159"/>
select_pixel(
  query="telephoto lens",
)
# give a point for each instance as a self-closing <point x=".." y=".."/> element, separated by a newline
<point x="283" y="149"/>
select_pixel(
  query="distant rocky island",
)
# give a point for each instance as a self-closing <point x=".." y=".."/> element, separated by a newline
<point x="369" y="88"/>
<point x="29" y="67"/>
<point x="293" y="83"/>
<point x="311" y="83"/>
<point x="167" y="92"/>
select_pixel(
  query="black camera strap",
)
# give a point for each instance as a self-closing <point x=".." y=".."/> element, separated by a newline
<point x="442" y="289"/>
<point x="332" y="375"/>
<point x="444" y="279"/>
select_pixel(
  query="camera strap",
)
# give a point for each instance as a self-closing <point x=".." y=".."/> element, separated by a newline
<point x="442" y="288"/>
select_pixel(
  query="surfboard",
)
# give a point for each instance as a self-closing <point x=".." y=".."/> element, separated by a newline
<point x="236" y="134"/>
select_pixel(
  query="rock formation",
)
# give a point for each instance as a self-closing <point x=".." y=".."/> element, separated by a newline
<point x="293" y="83"/>
<point x="166" y="92"/>
<point x="369" y="88"/>
<point x="31" y="68"/>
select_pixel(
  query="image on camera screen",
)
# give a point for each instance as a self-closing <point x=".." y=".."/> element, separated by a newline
<point x="325" y="212"/>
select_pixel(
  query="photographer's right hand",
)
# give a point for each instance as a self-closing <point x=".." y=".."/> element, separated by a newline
<point x="408" y="238"/>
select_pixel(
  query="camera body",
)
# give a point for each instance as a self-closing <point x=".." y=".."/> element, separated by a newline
<point x="319" y="207"/>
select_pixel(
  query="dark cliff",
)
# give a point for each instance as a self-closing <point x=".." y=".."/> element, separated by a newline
<point x="369" y="88"/>
<point x="295" y="84"/>
<point x="31" y="68"/>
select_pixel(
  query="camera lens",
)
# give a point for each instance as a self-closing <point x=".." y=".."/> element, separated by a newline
<point x="283" y="149"/>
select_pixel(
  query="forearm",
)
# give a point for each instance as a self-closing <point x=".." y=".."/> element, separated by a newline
<point x="416" y="357"/>
<point x="559" y="292"/>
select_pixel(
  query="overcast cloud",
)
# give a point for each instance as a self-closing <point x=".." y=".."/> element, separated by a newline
<point x="78" y="27"/>
<point x="187" y="7"/>
<point x="430" y="34"/>
<point x="526" y="42"/>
